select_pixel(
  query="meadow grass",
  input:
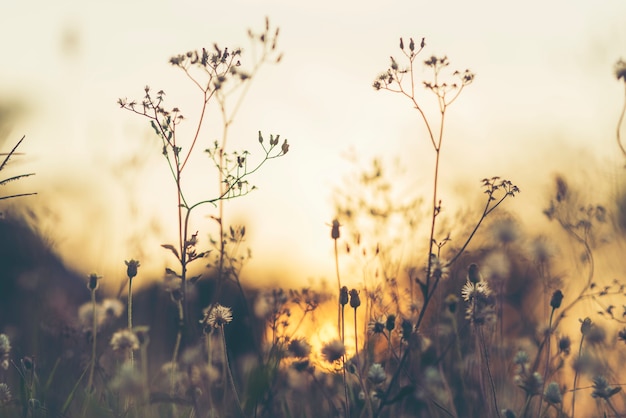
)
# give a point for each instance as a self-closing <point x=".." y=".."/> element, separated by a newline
<point x="463" y="321"/>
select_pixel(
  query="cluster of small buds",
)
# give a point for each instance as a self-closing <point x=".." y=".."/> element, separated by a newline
<point x="602" y="389"/>
<point x="530" y="382"/>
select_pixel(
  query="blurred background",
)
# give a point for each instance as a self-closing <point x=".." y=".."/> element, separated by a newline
<point x="545" y="100"/>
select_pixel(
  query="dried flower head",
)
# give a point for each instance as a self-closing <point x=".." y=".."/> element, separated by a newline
<point x="552" y="393"/>
<point x="92" y="283"/>
<point x="299" y="347"/>
<point x="216" y="316"/>
<point x="473" y="273"/>
<point x="390" y="323"/>
<point x="565" y="345"/>
<point x="376" y="374"/>
<point x="376" y="326"/>
<point x="557" y="298"/>
<point x="602" y="389"/>
<point x="128" y="381"/>
<point x="343" y="296"/>
<point x="355" y="300"/>
<point x="124" y="341"/>
<point x="333" y="351"/>
<point x="334" y="233"/>
<point x="131" y="268"/>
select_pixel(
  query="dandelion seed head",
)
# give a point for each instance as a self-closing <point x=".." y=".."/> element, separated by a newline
<point x="217" y="316"/>
<point x="124" y="341"/>
<point x="112" y="308"/>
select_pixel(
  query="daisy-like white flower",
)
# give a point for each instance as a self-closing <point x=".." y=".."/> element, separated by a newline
<point x="217" y="316"/>
<point x="473" y="290"/>
<point x="124" y="341"/>
<point x="376" y="326"/>
<point x="333" y="351"/>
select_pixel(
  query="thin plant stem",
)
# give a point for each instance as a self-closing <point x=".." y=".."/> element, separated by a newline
<point x="580" y="352"/>
<point x="130" y="313"/>
<point x="489" y="375"/>
<point x="229" y="371"/>
<point x="545" y="373"/>
<point x="94" y="328"/>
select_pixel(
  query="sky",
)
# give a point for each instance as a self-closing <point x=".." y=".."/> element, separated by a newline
<point x="544" y="100"/>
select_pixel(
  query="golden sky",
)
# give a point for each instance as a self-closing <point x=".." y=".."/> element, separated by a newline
<point x="544" y="99"/>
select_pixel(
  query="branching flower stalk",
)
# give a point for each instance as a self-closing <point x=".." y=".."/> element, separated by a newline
<point x="403" y="81"/>
<point x="218" y="75"/>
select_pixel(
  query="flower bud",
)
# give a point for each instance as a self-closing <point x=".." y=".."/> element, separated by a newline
<point x="355" y="300"/>
<point x="557" y="298"/>
<point x="131" y="268"/>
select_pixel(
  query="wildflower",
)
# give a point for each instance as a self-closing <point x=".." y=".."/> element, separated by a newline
<point x="217" y="316"/>
<point x="376" y="374"/>
<point x="376" y="326"/>
<point x="5" y="394"/>
<point x="602" y="389"/>
<point x="390" y="323"/>
<point x="128" y="381"/>
<point x="333" y="351"/>
<point x="355" y="300"/>
<point x="299" y="347"/>
<point x="621" y="335"/>
<point x="565" y="345"/>
<point x="521" y="358"/>
<point x="620" y="70"/>
<point x="92" y="284"/>
<point x="585" y="326"/>
<point x="124" y="340"/>
<point x="131" y="268"/>
<point x="112" y="308"/>
<point x="334" y="233"/>
<point x="473" y="274"/>
<point x="552" y="394"/>
<point x="5" y="350"/>
<point x="472" y="291"/>
<point x="343" y="296"/>
<point x="438" y="268"/>
<point x="596" y="335"/>
<point x="531" y="384"/>
<point x="557" y="298"/>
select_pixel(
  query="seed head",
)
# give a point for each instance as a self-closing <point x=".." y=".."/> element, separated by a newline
<point x="376" y="326"/>
<point x="92" y="284"/>
<point x="355" y="300"/>
<point x="376" y="374"/>
<point x="343" y="296"/>
<point x="5" y="394"/>
<point x="333" y="351"/>
<point x="552" y="394"/>
<point x="299" y="347"/>
<point x="131" y="268"/>
<point x="334" y="233"/>
<point x="5" y="350"/>
<point x="557" y="298"/>
<point x="216" y="316"/>
<point x="124" y="341"/>
<point x="620" y="70"/>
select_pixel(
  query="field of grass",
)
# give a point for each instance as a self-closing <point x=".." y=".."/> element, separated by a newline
<point x="470" y="316"/>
